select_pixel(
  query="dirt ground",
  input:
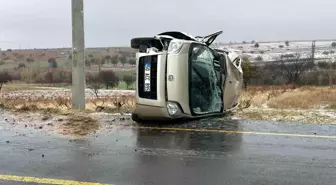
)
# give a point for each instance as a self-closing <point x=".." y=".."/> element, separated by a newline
<point x="76" y="125"/>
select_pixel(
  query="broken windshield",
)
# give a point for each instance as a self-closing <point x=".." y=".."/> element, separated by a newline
<point x="205" y="94"/>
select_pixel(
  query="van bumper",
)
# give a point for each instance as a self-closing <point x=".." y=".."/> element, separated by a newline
<point x="148" y="112"/>
<point x="155" y="113"/>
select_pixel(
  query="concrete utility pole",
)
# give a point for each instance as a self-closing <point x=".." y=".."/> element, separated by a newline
<point x="78" y="64"/>
<point x="313" y="51"/>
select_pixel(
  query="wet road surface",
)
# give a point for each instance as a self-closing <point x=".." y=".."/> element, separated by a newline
<point x="200" y="152"/>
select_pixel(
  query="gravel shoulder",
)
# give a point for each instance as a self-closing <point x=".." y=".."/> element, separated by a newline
<point x="66" y="122"/>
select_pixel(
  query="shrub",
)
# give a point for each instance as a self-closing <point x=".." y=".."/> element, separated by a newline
<point x="30" y="60"/>
<point x="325" y="53"/>
<point x="55" y="76"/>
<point x="29" y="74"/>
<point x="94" y="83"/>
<point x="109" y="78"/>
<point x="131" y="61"/>
<point x="62" y="76"/>
<point x="287" y="43"/>
<point x="22" y="65"/>
<point x="128" y="79"/>
<point x="5" y="77"/>
<point x="123" y="60"/>
<point x="16" y="75"/>
<point x="333" y="44"/>
<point x="115" y="60"/>
<point x="52" y="63"/>
<point x="48" y="77"/>
<point x="259" y="58"/>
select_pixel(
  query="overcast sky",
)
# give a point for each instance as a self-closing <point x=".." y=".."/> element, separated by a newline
<point x="47" y="23"/>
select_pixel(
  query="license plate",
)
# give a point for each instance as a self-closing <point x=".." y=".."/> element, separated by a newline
<point x="147" y="83"/>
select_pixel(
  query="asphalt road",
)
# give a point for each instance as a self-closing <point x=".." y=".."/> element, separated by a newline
<point x="198" y="153"/>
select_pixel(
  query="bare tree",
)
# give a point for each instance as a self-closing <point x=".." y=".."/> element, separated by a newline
<point x="100" y="62"/>
<point x="259" y="58"/>
<point x="131" y="62"/>
<point x="95" y="84"/>
<point x="115" y="60"/>
<point x="129" y="79"/>
<point x="287" y="43"/>
<point x="249" y="72"/>
<point x="325" y="53"/>
<point x="329" y="69"/>
<point x="294" y="66"/>
<point x="333" y="44"/>
<point x="109" y="78"/>
<point x="52" y="62"/>
<point x="30" y="60"/>
<point x="108" y="58"/>
<point x="87" y="62"/>
<point x="123" y="60"/>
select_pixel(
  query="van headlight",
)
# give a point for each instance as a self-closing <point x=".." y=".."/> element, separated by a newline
<point x="174" y="109"/>
<point x="175" y="46"/>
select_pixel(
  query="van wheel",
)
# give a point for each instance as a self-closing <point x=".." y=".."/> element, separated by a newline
<point x="136" y="118"/>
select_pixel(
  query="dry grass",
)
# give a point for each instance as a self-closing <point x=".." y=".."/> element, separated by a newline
<point x="287" y="97"/>
<point x="78" y="126"/>
<point x="112" y="104"/>
<point x="332" y="106"/>
<point x="116" y="103"/>
<point x="307" y="104"/>
<point x="18" y="86"/>
<point x="305" y="99"/>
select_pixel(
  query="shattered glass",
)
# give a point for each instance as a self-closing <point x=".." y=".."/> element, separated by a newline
<point x="205" y="92"/>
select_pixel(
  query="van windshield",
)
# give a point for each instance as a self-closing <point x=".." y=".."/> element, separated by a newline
<point x="205" y="95"/>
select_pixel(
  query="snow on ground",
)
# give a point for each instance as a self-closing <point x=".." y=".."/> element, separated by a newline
<point x="272" y="51"/>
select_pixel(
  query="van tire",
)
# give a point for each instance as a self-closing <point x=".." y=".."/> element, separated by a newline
<point x="136" y="118"/>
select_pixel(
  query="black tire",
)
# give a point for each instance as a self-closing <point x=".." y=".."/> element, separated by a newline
<point x="136" y="118"/>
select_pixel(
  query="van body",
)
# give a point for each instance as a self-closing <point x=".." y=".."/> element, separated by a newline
<point x="180" y="76"/>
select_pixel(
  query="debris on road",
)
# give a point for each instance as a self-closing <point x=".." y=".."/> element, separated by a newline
<point x="79" y="126"/>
